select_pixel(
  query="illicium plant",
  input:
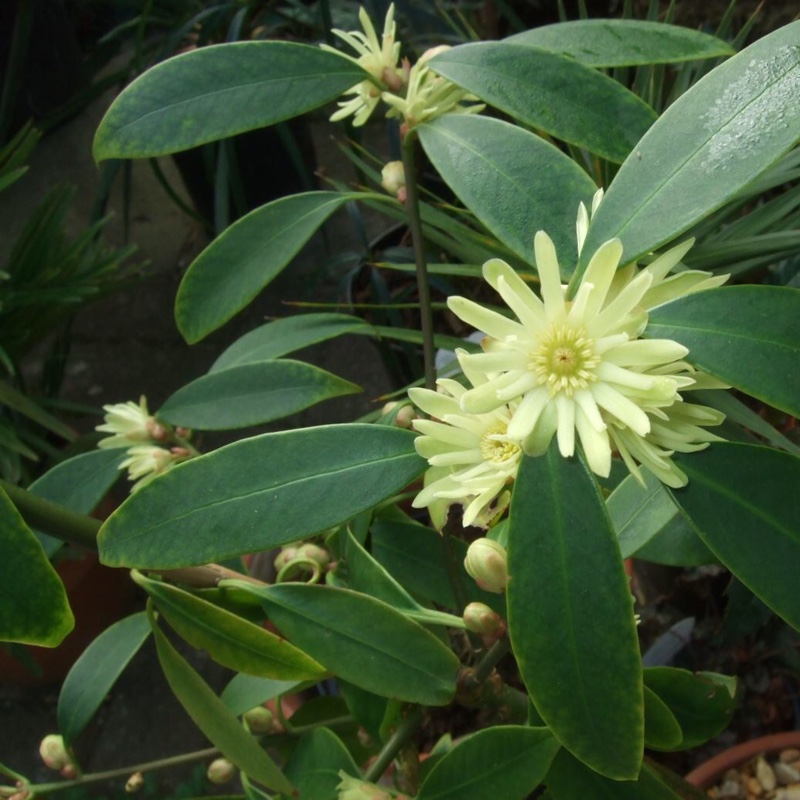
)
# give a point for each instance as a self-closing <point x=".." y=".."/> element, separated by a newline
<point x="464" y="546"/>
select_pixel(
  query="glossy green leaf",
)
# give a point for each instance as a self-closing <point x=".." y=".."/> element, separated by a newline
<point x="506" y="761"/>
<point x="514" y="181"/>
<point x="315" y="764"/>
<point x="623" y="42"/>
<point x="365" y="641"/>
<point x="569" y="779"/>
<point x="91" y="677"/>
<point x="745" y="335"/>
<point x="276" y="339"/>
<point x="230" y="640"/>
<point x="242" y="260"/>
<point x="570" y="615"/>
<point x="259" y="493"/>
<point x="214" y="719"/>
<point x="552" y="93"/>
<point x="252" y="394"/>
<point x="661" y="730"/>
<point x="79" y="484"/>
<point x="650" y="526"/>
<point x="248" y="691"/>
<point x="33" y="604"/>
<point x="417" y="557"/>
<point x="742" y="501"/>
<point x="215" y="92"/>
<point x="701" y="702"/>
<point x="716" y="138"/>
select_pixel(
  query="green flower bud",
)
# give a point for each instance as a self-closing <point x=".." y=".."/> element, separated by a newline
<point x="479" y="618"/>
<point x="220" y="770"/>
<point x="53" y="752"/>
<point x="486" y="562"/>
<point x="287" y="554"/>
<point x="315" y="553"/>
<point x="259" y="720"/>
<point x="353" y="789"/>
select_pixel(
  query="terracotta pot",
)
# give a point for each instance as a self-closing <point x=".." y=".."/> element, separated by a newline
<point x="710" y="772"/>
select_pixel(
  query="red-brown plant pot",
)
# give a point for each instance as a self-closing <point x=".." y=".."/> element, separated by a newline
<point x="710" y="772"/>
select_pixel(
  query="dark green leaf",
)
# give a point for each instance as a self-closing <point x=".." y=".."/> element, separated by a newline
<point x="650" y="525"/>
<point x="506" y="761"/>
<point x="714" y="140"/>
<point x="214" y="719"/>
<point x="315" y="764"/>
<point x="570" y="615"/>
<point x="701" y="702"/>
<point x="365" y="641"/>
<point x="742" y="500"/>
<point x="33" y="604"/>
<point x="661" y="730"/>
<point x="91" y="677"/>
<point x="252" y="394"/>
<point x="215" y="92"/>
<point x="79" y="484"/>
<point x="240" y="262"/>
<point x="247" y="691"/>
<point x="508" y="178"/>
<point x="550" y="92"/>
<point x="745" y="335"/>
<point x="230" y="640"/>
<point x="256" y="494"/>
<point x="569" y="779"/>
<point x="276" y="339"/>
<point x="623" y="42"/>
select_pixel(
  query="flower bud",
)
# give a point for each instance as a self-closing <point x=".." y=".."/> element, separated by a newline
<point x="486" y="562"/>
<point x="287" y="554"/>
<point x="404" y="415"/>
<point x="53" y="752"/>
<point x="479" y="618"/>
<point x="393" y="177"/>
<point x="220" y="770"/>
<point x="314" y="552"/>
<point x="353" y="789"/>
<point x="69" y="772"/>
<point x="134" y="783"/>
<point x="259" y="720"/>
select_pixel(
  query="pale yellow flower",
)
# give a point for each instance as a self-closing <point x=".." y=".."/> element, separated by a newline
<point x="429" y="95"/>
<point x="146" y="462"/>
<point x="379" y="58"/>
<point x="580" y="366"/>
<point x="128" y="423"/>
<point x="473" y="459"/>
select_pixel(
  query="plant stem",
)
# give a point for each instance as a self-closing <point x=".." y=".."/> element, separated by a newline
<point x="162" y="763"/>
<point x="483" y="669"/>
<point x="423" y="286"/>
<point x="405" y="730"/>
<point x="52" y="518"/>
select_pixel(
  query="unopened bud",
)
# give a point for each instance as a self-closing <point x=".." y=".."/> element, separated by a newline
<point x="23" y="794"/>
<point x="353" y="789"/>
<point x="220" y="770"/>
<point x="314" y="552"/>
<point x="393" y="177"/>
<point x="53" y="752"/>
<point x="156" y="430"/>
<point x="134" y="783"/>
<point x="404" y="415"/>
<point x="479" y="618"/>
<point x="69" y="772"/>
<point x="259" y="720"/>
<point x="184" y="433"/>
<point x="289" y="553"/>
<point x="486" y="562"/>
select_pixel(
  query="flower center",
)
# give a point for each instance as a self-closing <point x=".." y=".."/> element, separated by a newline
<point x="565" y="360"/>
<point x="497" y="447"/>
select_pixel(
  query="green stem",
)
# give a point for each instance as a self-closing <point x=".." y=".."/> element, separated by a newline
<point x="483" y="669"/>
<point x="423" y="286"/>
<point x="163" y="763"/>
<point x="52" y="518"/>
<point x="405" y="730"/>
